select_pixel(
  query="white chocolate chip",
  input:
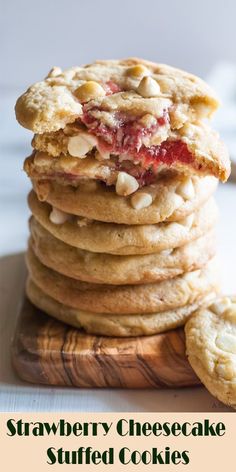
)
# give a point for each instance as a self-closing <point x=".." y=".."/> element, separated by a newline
<point x="126" y="184"/>
<point x="58" y="217"/>
<point x="89" y="91"/>
<point x="69" y="74"/>
<point x="226" y="342"/>
<point x="141" y="200"/>
<point x="80" y="145"/>
<point x="137" y="71"/>
<point x="148" y="87"/>
<point x="186" y="189"/>
<point x="230" y="314"/>
<point x="220" y="306"/>
<point x="54" y="72"/>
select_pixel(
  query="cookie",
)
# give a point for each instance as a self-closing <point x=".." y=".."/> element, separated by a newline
<point x="119" y="270"/>
<point x="211" y="348"/>
<point x="58" y="100"/>
<point x="123" y="299"/>
<point x="53" y="161"/>
<point x="173" y="198"/>
<point x="125" y="239"/>
<point x="132" y="109"/>
<point x="108" y="324"/>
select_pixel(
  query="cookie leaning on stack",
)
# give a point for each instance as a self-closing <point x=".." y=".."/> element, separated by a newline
<point x="123" y="171"/>
<point x="211" y="348"/>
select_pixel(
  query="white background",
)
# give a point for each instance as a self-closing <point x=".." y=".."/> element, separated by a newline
<point x="33" y="37"/>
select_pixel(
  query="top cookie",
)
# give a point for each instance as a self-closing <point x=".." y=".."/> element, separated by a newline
<point x="138" y="117"/>
<point x="131" y="85"/>
<point x="211" y="348"/>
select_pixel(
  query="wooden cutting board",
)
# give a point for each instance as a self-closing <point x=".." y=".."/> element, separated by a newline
<point x="45" y="351"/>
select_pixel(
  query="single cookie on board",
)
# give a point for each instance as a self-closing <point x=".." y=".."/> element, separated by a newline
<point x="211" y="348"/>
<point x="132" y="108"/>
<point x="118" y="239"/>
<point x="110" y="324"/>
<point x="173" y="198"/>
<point x="122" y="299"/>
<point x="119" y="270"/>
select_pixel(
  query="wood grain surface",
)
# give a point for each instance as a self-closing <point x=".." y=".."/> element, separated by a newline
<point x="45" y="351"/>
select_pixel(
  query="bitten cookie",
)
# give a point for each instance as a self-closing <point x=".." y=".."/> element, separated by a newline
<point x="53" y="161"/>
<point x="140" y="116"/>
<point x="211" y="348"/>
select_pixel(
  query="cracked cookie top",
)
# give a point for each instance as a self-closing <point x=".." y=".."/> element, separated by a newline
<point x="99" y="90"/>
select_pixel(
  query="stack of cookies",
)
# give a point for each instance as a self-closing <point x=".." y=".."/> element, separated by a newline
<point x="124" y="168"/>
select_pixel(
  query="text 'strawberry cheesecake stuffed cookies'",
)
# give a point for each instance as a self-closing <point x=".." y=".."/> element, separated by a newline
<point x="123" y="168"/>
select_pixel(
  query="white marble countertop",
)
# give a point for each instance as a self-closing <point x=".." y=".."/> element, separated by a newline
<point x="18" y="396"/>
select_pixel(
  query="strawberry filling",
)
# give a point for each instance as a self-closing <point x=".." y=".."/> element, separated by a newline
<point x="168" y="152"/>
<point x="126" y="140"/>
<point x="144" y="168"/>
<point x="111" y="87"/>
<point x="126" y="137"/>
